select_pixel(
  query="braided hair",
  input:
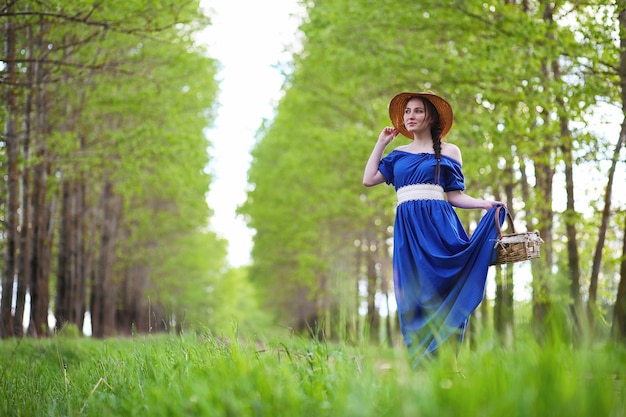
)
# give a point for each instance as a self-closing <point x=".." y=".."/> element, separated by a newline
<point x="435" y="131"/>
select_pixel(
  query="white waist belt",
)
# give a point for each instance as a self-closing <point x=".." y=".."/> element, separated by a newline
<point x="420" y="192"/>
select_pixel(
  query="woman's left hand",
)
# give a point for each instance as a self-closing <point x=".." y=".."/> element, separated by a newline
<point x="489" y="204"/>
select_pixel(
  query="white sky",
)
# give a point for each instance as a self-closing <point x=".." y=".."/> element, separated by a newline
<point x="248" y="37"/>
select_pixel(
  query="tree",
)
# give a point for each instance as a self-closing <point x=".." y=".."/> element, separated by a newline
<point x="619" y="315"/>
<point x="516" y="121"/>
<point x="110" y="99"/>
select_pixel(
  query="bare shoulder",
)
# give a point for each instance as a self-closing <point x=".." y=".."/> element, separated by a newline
<point x="452" y="151"/>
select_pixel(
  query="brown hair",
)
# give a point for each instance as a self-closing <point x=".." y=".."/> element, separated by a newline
<point x="435" y="130"/>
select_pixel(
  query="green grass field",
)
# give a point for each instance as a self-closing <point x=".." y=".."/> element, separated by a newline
<point x="207" y="376"/>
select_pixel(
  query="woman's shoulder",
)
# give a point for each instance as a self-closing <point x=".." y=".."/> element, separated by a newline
<point x="402" y="148"/>
<point x="451" y="151"/>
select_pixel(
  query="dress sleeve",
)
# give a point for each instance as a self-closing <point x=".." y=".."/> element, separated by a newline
<point x="386" y="167"/>
<point x="453" y="176"/>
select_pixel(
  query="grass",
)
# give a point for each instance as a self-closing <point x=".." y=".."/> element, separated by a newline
<point x="207" y="376"/>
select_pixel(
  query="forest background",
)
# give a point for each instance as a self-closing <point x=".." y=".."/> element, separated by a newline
<point x="106" y="170"/>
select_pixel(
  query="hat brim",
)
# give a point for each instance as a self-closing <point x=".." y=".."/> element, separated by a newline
<point x="397" y="107"/>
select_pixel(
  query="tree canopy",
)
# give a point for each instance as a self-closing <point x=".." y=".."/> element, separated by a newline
<point x="524" y="77"/>
<point x="106" y="170"/>
<point x="105" y="160"/>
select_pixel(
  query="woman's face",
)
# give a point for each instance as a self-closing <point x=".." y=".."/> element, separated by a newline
<point x="416" y="116"/>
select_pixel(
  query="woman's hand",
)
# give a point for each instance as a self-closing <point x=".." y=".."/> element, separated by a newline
<point x="489" y="204"/>
<point x="387" y="135"/>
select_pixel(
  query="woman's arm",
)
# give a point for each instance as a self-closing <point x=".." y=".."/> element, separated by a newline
<point x="461" y="200"/>
<point x="371" y="175"/>
<point x="458" y="198"/>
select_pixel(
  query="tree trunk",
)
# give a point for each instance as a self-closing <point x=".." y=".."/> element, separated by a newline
<point x="43" y="210"/>
<point x="322" y="327"/>
<point x="70" y="296"/>
<point x="606" y="212"/>
<point x="12" y="202"/>
<point x="79" y="303"/>
<point x="541" y="267"/>
<point x="104" y="289"/>
<point x="571" y="218"/>
<point x="385" y="287"/>
<point x="503" y="307"/>
<point x="132" y="309"/>
<point x="544" y="174"/>
<point x="61" y="313"/>
<point x="354" y="324"/>
<point x="42" y="235"/>
<point x="372" y="315"/>
<point x="606" y="215"/>
<point x="619" y="312"/>
<point x="26" y="223"/>
<point x="618" y="328"/>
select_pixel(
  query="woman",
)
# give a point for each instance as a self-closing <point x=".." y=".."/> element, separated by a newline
<point x="439" y="272"/>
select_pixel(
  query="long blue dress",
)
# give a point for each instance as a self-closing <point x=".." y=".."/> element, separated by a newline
<point x="439" y="272"/>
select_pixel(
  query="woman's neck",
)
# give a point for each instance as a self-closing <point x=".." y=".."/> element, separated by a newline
<point x="423" y="143"/>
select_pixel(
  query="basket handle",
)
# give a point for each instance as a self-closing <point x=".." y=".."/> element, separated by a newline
<point x="508" y="216"/>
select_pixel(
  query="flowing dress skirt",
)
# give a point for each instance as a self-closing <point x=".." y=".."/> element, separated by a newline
<point x="439" y="272"/>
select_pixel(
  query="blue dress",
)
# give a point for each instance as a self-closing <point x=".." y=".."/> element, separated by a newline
<point x="439" y="272"/>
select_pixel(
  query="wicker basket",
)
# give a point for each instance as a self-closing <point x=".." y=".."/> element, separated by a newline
<point x="515" y="247"/>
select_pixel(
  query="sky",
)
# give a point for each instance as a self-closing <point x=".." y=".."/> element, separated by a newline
<point x="248" y="38"/>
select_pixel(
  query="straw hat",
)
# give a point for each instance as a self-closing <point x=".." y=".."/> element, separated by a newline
<point x="397" y="107"/>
